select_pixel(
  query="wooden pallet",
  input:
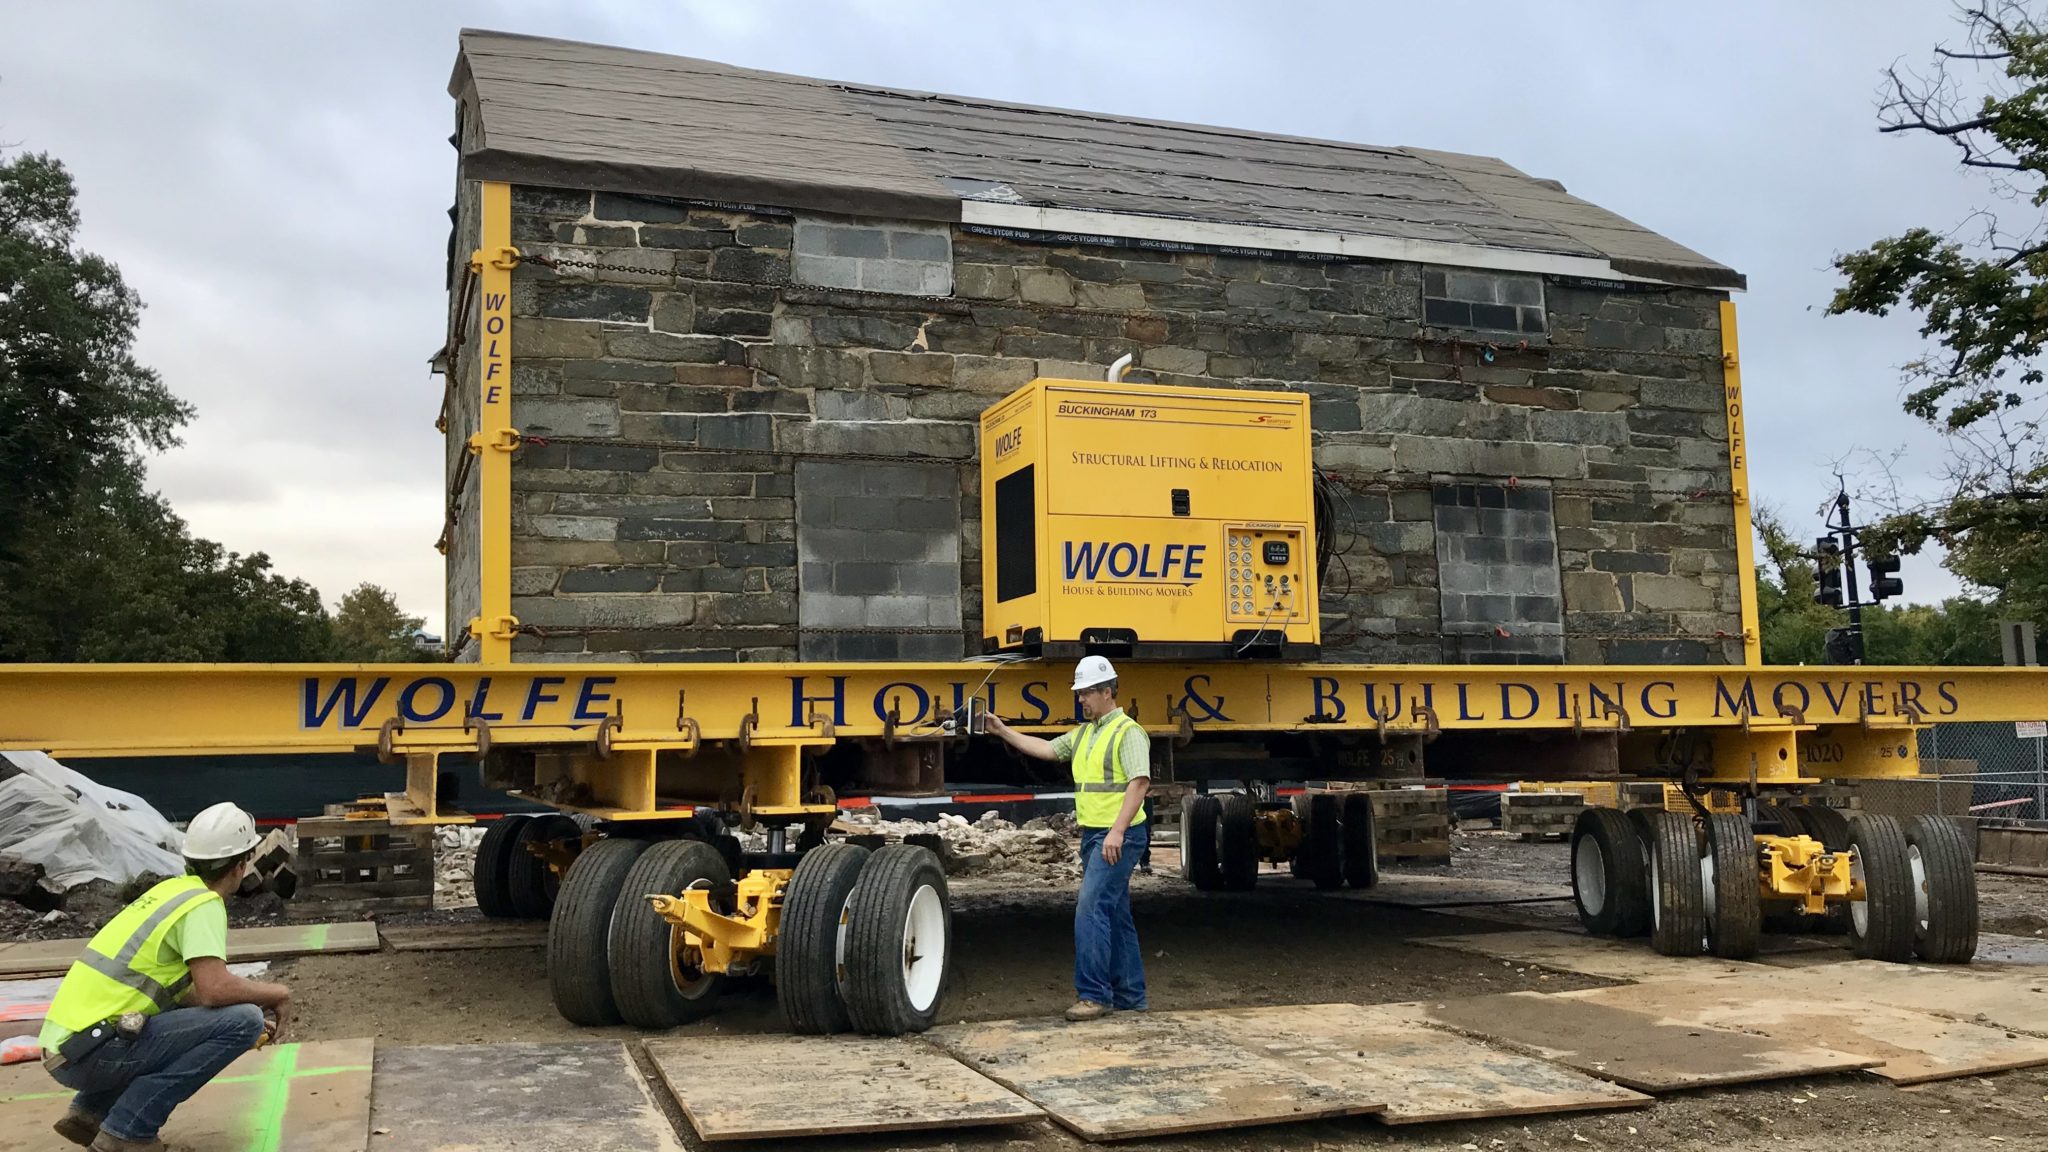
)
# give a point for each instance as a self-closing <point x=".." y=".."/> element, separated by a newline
<point x="1534" y="815"/>
<point x="1413" y="824"/>
<point x="357" y="867"/>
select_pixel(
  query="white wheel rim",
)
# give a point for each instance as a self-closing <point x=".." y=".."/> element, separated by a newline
<point x="924" y="948"/>
<point x="1919" y="866"/>
<point x="1656" y="894"/>
<point x="839" y="942"/>
<point x="1589" y="868"/>
<point x="1707" y="887"/>
<point x="1859" y="910"/>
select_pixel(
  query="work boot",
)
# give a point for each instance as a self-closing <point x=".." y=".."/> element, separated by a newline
<point x="78" y="1126"/>
<point x="1088" y="1010"/>
<point x="108" y="1142"/>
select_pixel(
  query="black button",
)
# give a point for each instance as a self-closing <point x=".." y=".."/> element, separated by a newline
<point x="1276" y="551"/>
<point x="1180" y="502"/>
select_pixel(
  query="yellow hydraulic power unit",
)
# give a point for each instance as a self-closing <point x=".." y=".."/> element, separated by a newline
<point x="1136" y="520"/>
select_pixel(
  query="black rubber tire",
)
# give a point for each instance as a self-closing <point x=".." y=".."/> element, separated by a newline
<point x="487" y="875"/>
<point x="1237" y="844"/>
<point x="1324" y="848"/>
<point x="1735" y="922"/>
<point x="1824" y="824"/>
<point x="1677" y="896"/>
<point x="1361" y="841"/>
<point x="877" y="1001"/>
<point x="643" y="983"/>
<point x="1606" y="845"/>
<point x="579" y="933"/>
<point x="1945" y="916"/>
<point x="1297" y="864"/>
<point x="1884" y="928"/>
<point x="807" y="954"/>
<point x="527" y="875"/>
<point x="1199" y="815"/>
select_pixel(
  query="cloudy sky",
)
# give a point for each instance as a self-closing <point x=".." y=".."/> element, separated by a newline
<point x="273" y="178"/>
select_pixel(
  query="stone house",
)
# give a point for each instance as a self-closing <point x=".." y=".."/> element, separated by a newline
<point x="757" y="316"/>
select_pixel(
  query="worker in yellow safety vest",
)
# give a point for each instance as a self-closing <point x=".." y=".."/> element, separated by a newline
<point x="150" y="1013"/>
<point x="1112" y="760"/>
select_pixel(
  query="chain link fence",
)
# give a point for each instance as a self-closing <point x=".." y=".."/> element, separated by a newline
<point x="1986" y="770"/>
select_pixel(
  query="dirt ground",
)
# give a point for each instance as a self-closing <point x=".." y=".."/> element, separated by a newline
<point x="1280" y="944"/>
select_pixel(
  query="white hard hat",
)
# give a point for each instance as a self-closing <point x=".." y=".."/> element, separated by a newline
<point x="220" y="832"/>
<point x="1092" y="670"/>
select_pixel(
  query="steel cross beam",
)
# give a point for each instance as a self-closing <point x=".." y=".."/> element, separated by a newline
<point x="164" y="709"/>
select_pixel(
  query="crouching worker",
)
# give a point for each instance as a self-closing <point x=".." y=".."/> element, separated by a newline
<point x="150" y="1013"/>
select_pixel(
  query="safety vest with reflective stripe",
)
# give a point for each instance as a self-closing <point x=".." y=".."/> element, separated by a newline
<point x="1099" y="777"/>
<point x="123" y="969"/>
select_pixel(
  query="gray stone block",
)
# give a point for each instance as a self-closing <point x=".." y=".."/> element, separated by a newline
<point x="826" y="610"/>
<point x="930" y="246"/>
<point x="574" y="528"/>
<point x="929" y="646"/>
<point x="825" y="271"/>
<point x="737" y="555"/>
<point x="950" y="441"/>
<point x="569" y="300"/>
<point x="565" y="417"/>
<point x="931" y="580"/>
<point x="667" y="427"/>
<point x="705" y="580"/>
<point x="750" y="432"/>
<point x="894" y="612"/>
<point x="655" y="528"/>
<point x="665" y="347"/>
<point x="610" y="580"/>
<point x="863" y="578"/>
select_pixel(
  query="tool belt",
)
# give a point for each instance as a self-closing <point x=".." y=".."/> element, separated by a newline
<point x="84" y="1043"/>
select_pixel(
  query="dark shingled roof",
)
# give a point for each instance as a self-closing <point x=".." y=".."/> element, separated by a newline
<point x="556" y="112"/>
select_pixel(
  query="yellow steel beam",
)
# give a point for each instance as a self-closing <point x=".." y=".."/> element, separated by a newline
<point x="1738" y="473"/>
<point x="495" y="438"/>
<point x="132" y="709"/>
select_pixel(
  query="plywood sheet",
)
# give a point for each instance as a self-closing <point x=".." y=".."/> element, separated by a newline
<point x="1915" y="1046"/>
<point x="291" y="1098"/>
<point x="1424" y="1074"/>
<point x="825" y="1086"/>
<point x="529" y="1097"/>
<point x="52" y="957"/>
<point x="1637" y="1049"/>
<point x="1590" y="955"/>
<point x="1150" y="1075"/>
<point x="1408" y="890"/>
<point x="2010" y="997"/>
<point x="463" y="937"/>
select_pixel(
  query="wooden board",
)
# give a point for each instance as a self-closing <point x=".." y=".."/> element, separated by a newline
<point x="292" y="1098"/>
<point x="1590" y="955"/>
<point x="53" y="957"/>
<point x="826" y="1086"/>
<point x="1424" y="1074"/>
<point x="1639" y="1050"/>
<point x="1150" y="1075"/>
<point x="461" y="937"/>
<point x="1915" y="1046"/>
<point x="460" y="1098"/>
<point x="2014" y="998"/>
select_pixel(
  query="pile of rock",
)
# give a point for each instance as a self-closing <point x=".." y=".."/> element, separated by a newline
<point x="455" y="864"/>
<point x="1045" y="849"/>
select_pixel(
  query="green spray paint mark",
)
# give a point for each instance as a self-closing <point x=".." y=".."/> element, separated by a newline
<point x="268" y="1116"/>
<point x="316" y="937"/>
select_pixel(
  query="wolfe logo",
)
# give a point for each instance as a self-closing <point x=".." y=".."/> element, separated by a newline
<point x="1009" y="442"/>
<point x="1125" y="561"/>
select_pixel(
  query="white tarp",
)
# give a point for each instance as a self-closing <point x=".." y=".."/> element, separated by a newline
<point x="78" y="830"/>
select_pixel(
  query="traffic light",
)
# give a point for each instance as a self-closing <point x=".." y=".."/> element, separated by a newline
<point x="1884" y="578"/>
<point x="1840" y="647"/>
<point x="1827" y="572"/>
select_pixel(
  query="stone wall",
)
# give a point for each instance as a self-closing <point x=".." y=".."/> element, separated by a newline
<point x="670" y="373"/>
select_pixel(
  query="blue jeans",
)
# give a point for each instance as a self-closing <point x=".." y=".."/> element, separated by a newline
<point x="1108" y="967"/>
<point x="134" y="1084"/>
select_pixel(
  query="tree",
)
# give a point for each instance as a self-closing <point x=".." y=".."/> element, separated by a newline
<point x="1960" y="631"/>
<point x="1982" y="303"/>
<point x="92" y="565"/>
<point x="74" y="404"/>
<point x="369" y="628"/>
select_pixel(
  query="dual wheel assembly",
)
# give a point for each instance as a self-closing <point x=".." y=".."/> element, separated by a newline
<point x="1220" y="840"/>
<point x="863" y="943"/>
<point x="1698" y="886"/>
<point x="512" y="881"/>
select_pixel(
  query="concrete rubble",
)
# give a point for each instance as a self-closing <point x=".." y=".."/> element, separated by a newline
<point x="455" y="864"/>
<point x="1045" y="849"/>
